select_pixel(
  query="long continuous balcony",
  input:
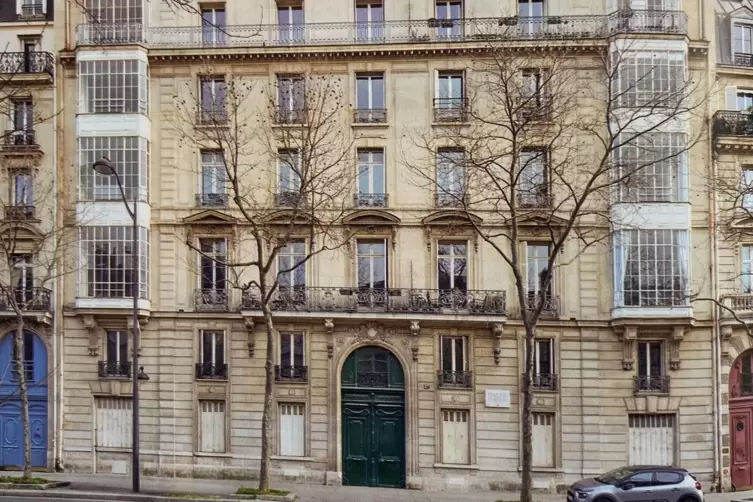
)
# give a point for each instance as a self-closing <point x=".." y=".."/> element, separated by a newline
<point x="391" y="300"/>
<point x="387" y="32"/>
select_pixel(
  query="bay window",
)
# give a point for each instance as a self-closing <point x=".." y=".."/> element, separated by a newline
<point x="650" y="78"/>
<point x="653" y="168"/>
<point x="113" y="86"/>
<point x="108" y="262"/>
<point x="129" y="155"/>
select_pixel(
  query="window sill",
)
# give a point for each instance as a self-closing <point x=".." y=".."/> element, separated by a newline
<point x="462" y="467"/>
<point x="552" y="470"/>
<point x="213" y="455"/>
<point x="110" y="449"/>
<point x="650" y="393"/>
<point x="116" y="377"/>
<point x="450" y="387"/>
<point x="545" y="391"/>
<point x="451" y="124"/>
<point x="288" y="125"/>
<point x="370" y="124"/>
<point x="212" y="380"/>
<point x="292" y="459"/>
<point x="291" y="382"/>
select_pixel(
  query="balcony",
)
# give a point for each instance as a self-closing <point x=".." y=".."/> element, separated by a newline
<point x="391" y="301"/>
<point x="361" y="199"/>
<point x="733" y="123"/>
<point x="210" y="371"/>
<point x="532" y="200"/>
<point x="27" y="299"/>
<point x="23" y="139"/>
<point x="111" y="34"/>
<point x="455" y="379"/>
<point x="370" y="116"/>
<point x="449" y="199"/>
<point x="211" y="200"/>
<point x="291" y="373"/>
<point x="37" y="67"/>
<point x="450" y="110"/>
<point x="19" y="212"/>
<point x="550" y="309"/>
<point x="742" y="59"/>
<point x="290" y="199"/>
<point x="31" y="12"/>
<point x="114" y="369"/>
<point x="479" y="30"/>
<point x="286" y="116"/>
<point x="211" y="117"/>
<point x="651" y="384"/>
<point x="544" y="381"/>
<point x="211" y="300"/>
<point x="535" y="109"/>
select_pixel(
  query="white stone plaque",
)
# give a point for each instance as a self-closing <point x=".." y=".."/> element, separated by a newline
<point x="497" y="398"/>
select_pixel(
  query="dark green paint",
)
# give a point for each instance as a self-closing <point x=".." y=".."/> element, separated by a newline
<point x="373" y="407"/>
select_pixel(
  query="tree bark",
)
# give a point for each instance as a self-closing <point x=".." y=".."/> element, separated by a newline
<point x="266" y="417"/>
<point x="21" y="374"/>
<point x="527" y="481"/>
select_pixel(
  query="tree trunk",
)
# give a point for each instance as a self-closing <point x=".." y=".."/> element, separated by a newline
<point x="21" y="374"/>
<point x="527" y="481"/>
<point x="266" y="417"/>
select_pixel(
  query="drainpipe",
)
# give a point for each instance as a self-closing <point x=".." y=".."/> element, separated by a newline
<point x="57" y="403"/>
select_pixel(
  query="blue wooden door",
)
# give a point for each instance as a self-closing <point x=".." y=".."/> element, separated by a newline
<point x="11" y="428"/>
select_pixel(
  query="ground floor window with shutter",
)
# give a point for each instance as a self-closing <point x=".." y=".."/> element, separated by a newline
<point x="212" y="426"/>
<point x="114" y="420"/>
<point x="292" y="424"/>
<point x="456" y="445"/>
<point x="651" y="439"/>
<point x="543" y="439"/>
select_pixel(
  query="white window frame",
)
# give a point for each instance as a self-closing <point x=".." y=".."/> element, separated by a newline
<point x="291" y="32"/>
<point x="746" y="268"/>
<point x="453" y="258"/>
<point x="747" y="187"/>
<point x="643" y="350"/>
<point x="121" y="336"/>
<point x="366" y="170"/>
<point x="371" y="94"/>
<point x="534" y="174"/>
<point x="291" y="338"/>
<point x="450" y="175"/>
<point x="217" y="258"/>
<point x="104" y="11"/>
<point x="537" y="343"/>
<point x="23" y="193"/>
<point x="92" y="75"/>
<point x="212" y="106"/>
<point x="116" y="239"/>
<point x="369" y="260"/>
<point x="289" y="171"/>
<point x="637" y="85"/>
<point x="453" y="348"/>
<point x="213" y="32"/>
<point x="457" y="26"/>
<point x="654" y="167"/>
<point x="297" y="410"/>
<point x="129" y="155"/>
<point x="444" y="89"/>
<point x="371" y="28"/>
<point x="291" y="254"/>
<point x="743" y="27"/>
<point x="215" y="336"/>
<point x="540" y="261"/>
<point x="744" y="99"/>
<point x="20" y="4"/>
<point x="213" y="168"/>
<point x="217" y="406"/>
<point x="291" y="92"/>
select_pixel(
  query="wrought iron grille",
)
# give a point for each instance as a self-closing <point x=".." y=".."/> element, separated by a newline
<point x="743" y="59"/>
<point x="655" y="384"/>
<point x="113" y="33"/>
<point x="731" y="123"/>
<point x="462" y="379"/>
<point x="212" y="116"/>
<point x="291" y="373"/>
<point x="370" y="199"/>
<point x="27" y="62"/>
<point x="28" y="299"/>
<point x="211" y="371"/>
<point x="211" y="299"/>
<point x="450" y="110"/>
<point x="541" y="200"/>
<point x="24" y="212"/>
<point x="372" y="379"/>
<point x="23" y="138"/>
<point x="370" y="116"/>
<point x="211" y="200"/>
<point x="550" y="309"/>
<point x="544" y="381"/>
<point x="287" y="116"/>
<point x="114" y="369"/>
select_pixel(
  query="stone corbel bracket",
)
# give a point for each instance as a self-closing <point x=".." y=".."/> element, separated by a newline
<point x="726" y="337"/>
<point x="678" y="334"/>
<point x="497" y="332"/>
<point x="251" y="336"/>
<point x="143" y="321"/>
<point x="91" y="326"/>
<point x="415" y="330"/>
<point x="329" y="326"/>
<point x="629" y="335"/>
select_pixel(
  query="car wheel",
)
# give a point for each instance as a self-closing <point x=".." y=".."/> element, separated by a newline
<point x="602" y="499"/>
<point x="688" y="499"/>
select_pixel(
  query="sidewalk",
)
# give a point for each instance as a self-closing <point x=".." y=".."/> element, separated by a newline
<point x="115" y="484"/>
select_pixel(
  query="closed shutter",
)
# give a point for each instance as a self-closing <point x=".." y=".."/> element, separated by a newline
<point x="651" y="439"/>
<point x="455" y="444"/>
<point x="212" y="426"/>
<point x="543" y="439"/>
<point x="291" y="429"/>
<point x="730" y="98"/>
<point x="114" y="420"/>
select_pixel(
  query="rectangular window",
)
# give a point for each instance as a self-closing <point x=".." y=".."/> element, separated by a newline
<point x="23" y="191"/>
<point x="744" y="100"/>
<point x="372" y="272"/>
<point x="32" y="9"/>
<point x="290" y="24"/>
<point x="291" y="268"/>
<point x="654" y="267"/>
<point x="213" y="179"/>
<point x="371" y="181"/>
<point x="544" y="377"/>
<point x="212" y="426"/>
<point x="213" y="261"/>
<point x="117" y="362"/>
<point x="129" y="155"/>
<point x="369" y="20"/>
<point x="289" y="180"/>
<point x="651" y="376"/>
<point x="117" y="12"/>
<point x="456" y="444"/>
<point x="651" y="439"/>
<point x="533" y="188"/>
<point x="292" y="429"/>
<point x="212" y="357"/>
<point x="450" y="177"/>
<point x="746" y="274"/>
<point x="543" y="439"/>
<point x="213" y="100"/>
<point x="108" y="261"/>
<point x="653" y="79"/>
<point x="113" y="86"/>
<point x="742" y="39"/>
<point x="652" y="168"/>
<point x="454" y="362"/>
<point x="747" y="188"/>
<point x="370" y="99"/>
<point x="113" y="422"/>
<point x="292" y="366"/>
<point x="23" y="278"/>
<point x="450" y="102"/>
<point x="449" y="18"/>
<point x="452" y="266"/>
<point x="537" y="265"/>
<point x="213" y="27"/>
<point x="531" y="14"/>
<point x="23" y="115"/>
<point x="291" y="99"/>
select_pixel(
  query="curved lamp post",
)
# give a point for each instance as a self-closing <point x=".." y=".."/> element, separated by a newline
<point x="106" y="168"/>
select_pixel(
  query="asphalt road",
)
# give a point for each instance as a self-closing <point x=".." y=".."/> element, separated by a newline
<point x="40" y="499"/>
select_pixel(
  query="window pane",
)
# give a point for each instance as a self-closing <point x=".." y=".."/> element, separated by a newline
<point x="298" y="350"/>
<point x="285" y="350"/>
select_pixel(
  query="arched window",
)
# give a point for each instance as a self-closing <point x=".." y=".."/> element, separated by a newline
<point x="741" y="376"/>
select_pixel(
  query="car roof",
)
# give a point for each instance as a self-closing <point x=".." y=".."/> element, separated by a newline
<point x="636" y="468"/>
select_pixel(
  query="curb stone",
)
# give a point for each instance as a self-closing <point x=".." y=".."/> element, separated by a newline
<point x="125" y="497"/>
<point x="290" y="497"/>
<point x="47" y="486"/>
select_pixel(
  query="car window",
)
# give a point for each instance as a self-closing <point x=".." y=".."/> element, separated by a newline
<point x="641" y="479"/>
<point x="668" y="478"/>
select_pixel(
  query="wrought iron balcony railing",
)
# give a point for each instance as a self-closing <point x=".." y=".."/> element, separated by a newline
<point x="210" y="371"/>
<point x="287" y="116"/>
<point x="535" y="109"/>
<point x="110" y="369"/>
<point x="544" y="381"/>
<point x="19" y="212"/>
<point x="450" y="110"/>
<point x="212" y="117"/>
<point x="370" y="116"/>
<point x="449" y="199"/>
<point x="19" y="138"/>
<point x="741" y="59"/>
<point x="651" y="384"/>
<point x="732" y="123"/>
<point x="550" y="309"/>
<point x="211" y="299"/>
<point x="457" y="379"/>
<point x="291" y="199"/>
<point x="370" y="199"/>
<point x="533" y="200"/>
<point x="291" y="373"/>
<point x="389" y="32"/>
<point x="211" y="200"/>
<point x="27" y="299"/>
<point x="390" y="300"/>
<point x="32" y="11"/>
<point x="17" y="63"/>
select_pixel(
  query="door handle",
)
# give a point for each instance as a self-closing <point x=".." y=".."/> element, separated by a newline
<point x="648" y="492"/>
<point x="675" y="489"/>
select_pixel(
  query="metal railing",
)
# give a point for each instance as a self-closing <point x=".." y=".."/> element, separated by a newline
<point x="741" y="59"/>
<point x="386" y="32"/>
<point x="290" y="199"/>
<point x="19" y="138"/>
<point x="16" y="63"/>
<point x="291" y="373"/>
<point x="733" y="123"/>
<point x="211" y="200"/>
<point x="389" y="300"/>
<point x="28" y="299"/>
<point x="456" y="379"/>
<point x="544" y="381"/>
<point x="550" y="309"/>
<point x="114" y="369"/>
<point x="19" y="212"/>
<point x="211" y="299"/>
<point x="287" y="116"/>
<point x="209" y="116"/>
<point x="450" y="110"/>
<point x="32" y="11"/>
<point x="449" y="199"/>
<point x="361" y="199"/>
<point x="651" y="384"/>
<point x="211" y="371"/>
<point x="370" y="116"/>
<point x="531" y="200"/>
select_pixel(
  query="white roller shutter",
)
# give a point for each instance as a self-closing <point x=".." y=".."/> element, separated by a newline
<point x="543" y="439"/>
<point x="212" y="426"/>
<point x="292" y="425"/>
<point x="114" y="420"/>
<point x="651" y="439"/>
<point x="455" y="433"/>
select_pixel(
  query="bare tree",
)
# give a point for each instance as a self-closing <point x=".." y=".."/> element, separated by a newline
<point x="543" y="146"/>
<point x="285" y="157"/>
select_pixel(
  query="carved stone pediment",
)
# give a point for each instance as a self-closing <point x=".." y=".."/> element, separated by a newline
<point x="451" y="218"/>
<point x="210" y="217"/>
<point x="371" y="217"/>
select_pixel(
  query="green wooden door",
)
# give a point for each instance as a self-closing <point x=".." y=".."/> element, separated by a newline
<point x="373" y="408"/>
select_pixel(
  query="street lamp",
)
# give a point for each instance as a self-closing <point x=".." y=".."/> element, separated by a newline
<point x="106" y="168"/>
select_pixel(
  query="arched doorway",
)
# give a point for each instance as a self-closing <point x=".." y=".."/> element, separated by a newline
<point x="11" y="425"/>
<point x="373" y="419"/>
